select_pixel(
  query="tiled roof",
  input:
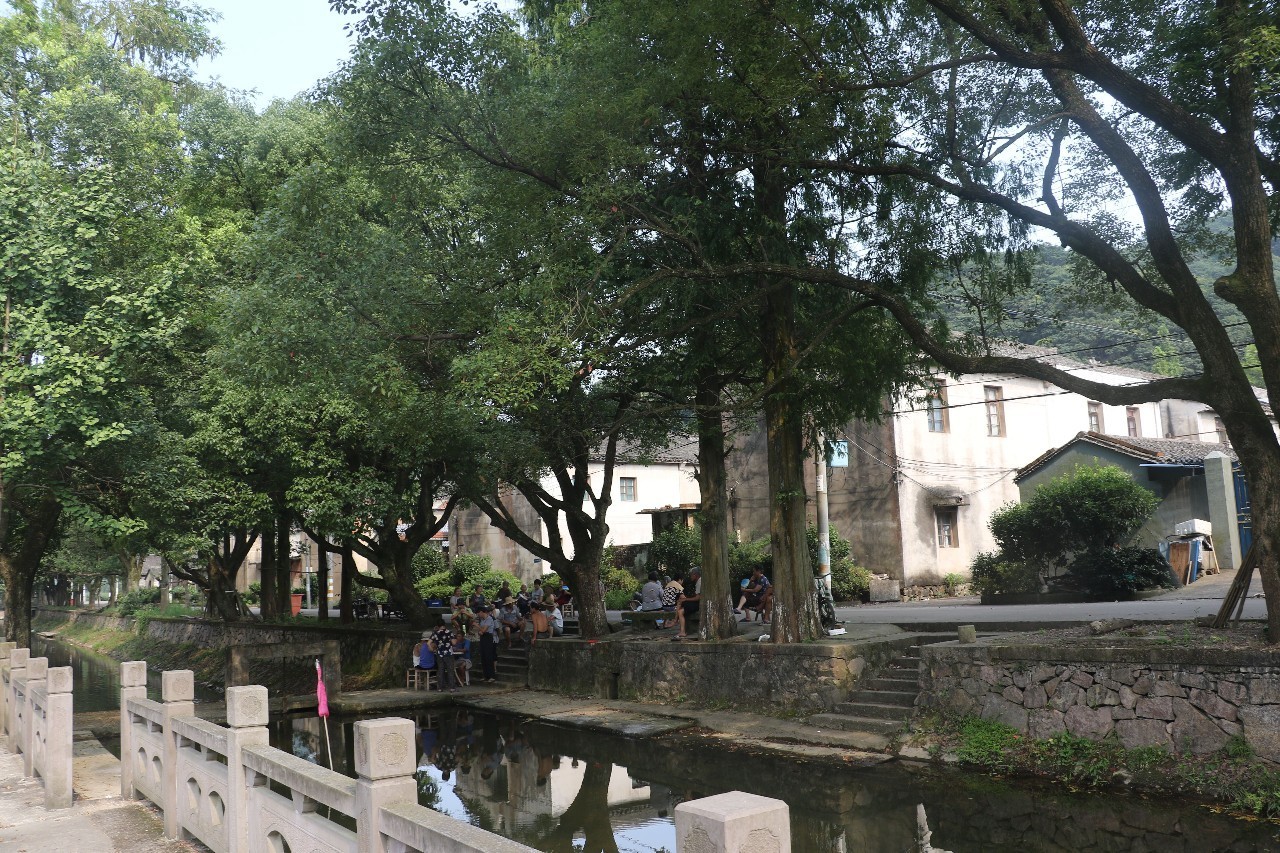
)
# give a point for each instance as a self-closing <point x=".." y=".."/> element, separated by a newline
<point x="1172" y="451"/>
<point x="679" y="449"/>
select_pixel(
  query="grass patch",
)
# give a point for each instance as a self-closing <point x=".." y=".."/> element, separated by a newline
<point x="1232" y="776"/>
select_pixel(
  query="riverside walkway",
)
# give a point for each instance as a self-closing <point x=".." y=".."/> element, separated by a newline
<point x="99" y="820"/>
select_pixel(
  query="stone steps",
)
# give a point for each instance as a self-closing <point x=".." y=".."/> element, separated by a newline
<point x="850" y="723"/>
<point x="887" y="701"/>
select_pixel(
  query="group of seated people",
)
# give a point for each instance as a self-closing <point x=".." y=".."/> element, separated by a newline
<point x="528" y="616"/>
<point x="666" y="594"/>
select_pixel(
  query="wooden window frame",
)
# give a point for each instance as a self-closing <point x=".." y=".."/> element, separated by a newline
<point x="1095" y="408"/>
<point x="622" y="491"/>
<point x="1133" y="419"/>
<point x="951" y="514"/>
<point x="936" y="405"/>
<point x="993" y="396"/>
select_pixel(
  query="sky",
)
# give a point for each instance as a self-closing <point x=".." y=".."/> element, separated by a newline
<point x="277" y="47"/>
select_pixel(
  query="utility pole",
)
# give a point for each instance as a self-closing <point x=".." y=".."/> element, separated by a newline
<point x="824" y="528"/>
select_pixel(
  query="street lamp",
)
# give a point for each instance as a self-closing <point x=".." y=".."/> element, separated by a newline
<point x="305" y="550"/>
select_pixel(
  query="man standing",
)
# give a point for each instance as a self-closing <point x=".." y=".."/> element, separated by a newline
<point x="487" y="628"/>
<point x="687" y="605"/>
<point x="442" y="645"/>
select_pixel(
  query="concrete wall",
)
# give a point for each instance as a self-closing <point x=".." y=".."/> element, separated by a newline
<point x="752" y="676"/>
<point x="1183" y="699"/>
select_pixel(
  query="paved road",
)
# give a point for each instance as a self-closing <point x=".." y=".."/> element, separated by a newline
<point x="1202" y="598"/>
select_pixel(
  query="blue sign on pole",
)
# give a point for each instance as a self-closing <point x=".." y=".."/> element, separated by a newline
<point x="838" y="454"/>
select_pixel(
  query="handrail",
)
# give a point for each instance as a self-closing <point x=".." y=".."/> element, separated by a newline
<point x="314" y="782"/>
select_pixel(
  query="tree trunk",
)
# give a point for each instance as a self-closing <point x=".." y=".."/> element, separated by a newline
<point x="19" y="570"/>
<point x="17" y="602"/>
<point x="346" y="611"/>
<point x="284" y="569"/>
<point x="717" y="622"/>
<point x="322" y="604"/>
<point x="795" y="613"/>
<point x="583" y="579"/>
<point x="397" y="572"/>
<point x="221" y="592"/>
<point x="268" y="605"/>
<point x="113" y="592"/>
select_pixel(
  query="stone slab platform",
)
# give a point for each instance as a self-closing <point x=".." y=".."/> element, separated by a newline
<point x="637" y="719"/>
<point x="98" y="822"/>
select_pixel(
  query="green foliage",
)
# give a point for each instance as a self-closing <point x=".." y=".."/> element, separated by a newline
<point x="1093" y="506"/>
<point x="1110" y="572"/>
<point x="952" y="580"/>
<point x="1238" y="748"/>
<point x="745" y="557"/>
<point x="615" y="578"/>
<point x="134" y="600"/>
<point x="994" y="575"/>
<point x="617" y="599"/>
<point x="252" y="593"/>
<point x="985" y="742"/>
<point x="429" y="562"/>
<point x="675" y="551"/>
<point x="849" y="581"/>
<point x="1078" y="521"/>
<point x="1079" y="759"/>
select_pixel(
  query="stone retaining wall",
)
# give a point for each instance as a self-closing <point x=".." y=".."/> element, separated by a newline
<point x="805" y="677"/>
<point x="1185" y="700"/>
<point x="381" y="654"/>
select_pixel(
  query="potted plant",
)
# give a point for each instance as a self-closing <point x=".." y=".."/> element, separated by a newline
<point x="295" y="600"/>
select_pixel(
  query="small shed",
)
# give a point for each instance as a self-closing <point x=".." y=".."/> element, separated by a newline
<point x="1171" y="468"/>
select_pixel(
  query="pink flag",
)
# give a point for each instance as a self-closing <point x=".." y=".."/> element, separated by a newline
<point x="322" y="698"/>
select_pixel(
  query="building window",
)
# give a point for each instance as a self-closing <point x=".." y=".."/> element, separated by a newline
<point x="1095" y="417"/>
<point x="1221" y="429"/>
<point x="948" y="528"/>
<point x="937" y="403"/>
<point x="1134" y="421"/>
<point x="627" y="488"/>
<point x="994" y="396"/>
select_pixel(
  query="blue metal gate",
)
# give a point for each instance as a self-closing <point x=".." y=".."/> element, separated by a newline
<point x="1244" y="510"/>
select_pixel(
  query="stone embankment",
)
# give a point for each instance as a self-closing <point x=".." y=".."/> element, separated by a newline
<point x="1182" y="699"/>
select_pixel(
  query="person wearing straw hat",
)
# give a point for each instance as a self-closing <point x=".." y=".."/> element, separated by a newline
<point x="512" y="621"/>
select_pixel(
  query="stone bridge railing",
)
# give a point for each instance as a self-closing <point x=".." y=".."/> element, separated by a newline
<point x="36" y="720"/>
<point x="228" y="788"/>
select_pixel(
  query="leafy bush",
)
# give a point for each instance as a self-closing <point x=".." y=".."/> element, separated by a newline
<point x="465" y="570"/>
<point x="1095" y="506"/>
<point x="427" y="562"/>
<point x="849" y="581"/>
<point x="1071" y="519"/>
<point x="985" y="742"/>
<point x="1111" y="572"/>
<point x="253" y="594"/>
<point x="675" y="551"/>
<point x="617" y="599"/>
<point x="131" y="602"/>
<point x="744" y="557"/>
<point x="994" y="575"/>
<point x="616" y="579"/>
<point x="951" y="580"/>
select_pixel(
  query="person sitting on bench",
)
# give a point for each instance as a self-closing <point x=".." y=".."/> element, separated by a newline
<point x="753" y="593"/>
<point x="687" y="604"/>
<point x="651" y="593"/>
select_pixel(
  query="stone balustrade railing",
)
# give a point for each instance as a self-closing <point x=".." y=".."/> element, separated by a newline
<point x="228" y="788"/>
<point x="36" y="720"/>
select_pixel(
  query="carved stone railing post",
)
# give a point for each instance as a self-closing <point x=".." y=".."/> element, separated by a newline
<point x="247" y="715"/>
<point x="37" y="672"/>
<point x="58" y="727"/>
<point x="133" y="685"/>
<point x="732" y="822"/>
<point x="18" y="659"/>
<point x="385" y="762"/>
<point x="177" y="690"/>
<point x="6" y="649"/>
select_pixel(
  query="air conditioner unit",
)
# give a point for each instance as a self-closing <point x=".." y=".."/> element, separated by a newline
<point x="1193" y="527"/>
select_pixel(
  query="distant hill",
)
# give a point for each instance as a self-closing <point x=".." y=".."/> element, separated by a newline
<point x="1090" y="321"/>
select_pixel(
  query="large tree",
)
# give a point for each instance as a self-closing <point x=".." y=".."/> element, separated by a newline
<point x="1122" y="131"/>
<point x="90" y="289"/>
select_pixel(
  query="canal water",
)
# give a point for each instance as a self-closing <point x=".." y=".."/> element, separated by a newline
<point x="564" y="790"/>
